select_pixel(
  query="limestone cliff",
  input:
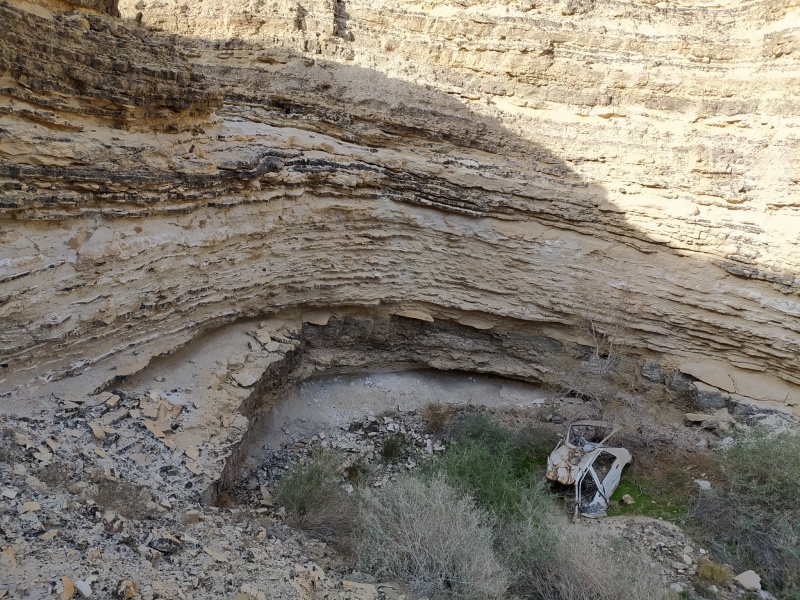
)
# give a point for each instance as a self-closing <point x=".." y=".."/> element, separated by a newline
<point x="516" y="166"/>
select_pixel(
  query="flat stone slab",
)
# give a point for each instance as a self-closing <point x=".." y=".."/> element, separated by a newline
<point x="749" y="580"/>
<point x="415" y="314"/>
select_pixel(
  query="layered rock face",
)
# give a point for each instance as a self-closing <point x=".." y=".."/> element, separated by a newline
<point x="518" y="168"/>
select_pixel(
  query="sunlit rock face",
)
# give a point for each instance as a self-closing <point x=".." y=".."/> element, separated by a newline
<point x="509" y="166"/>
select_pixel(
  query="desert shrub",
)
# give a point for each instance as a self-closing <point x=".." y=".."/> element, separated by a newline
<point x="436" y="416"/>
<point x="430" y="536"/>
<point x="528" y="547"/>
<point x="602" y="371"/>
<point x="357" y="471"/>
<point x="315" y="500"/>
<point x="127" y="499"/>
<point x="753" y="517"/>
<point x="548" y="564"/>
<point x="393" y="448"/>
<point x="714" y="572"/>
<point x="490" y="462"/>
<point x="10" y="451"/>
<point x="498" y="478"/>
<point x="537" y="442"/>
<point x="478" y="427"/>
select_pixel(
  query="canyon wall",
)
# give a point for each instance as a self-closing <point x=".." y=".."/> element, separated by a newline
<point x="519" y="168"/>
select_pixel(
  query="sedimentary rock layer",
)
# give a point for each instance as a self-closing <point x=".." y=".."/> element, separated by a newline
<point x="507" y="165"/>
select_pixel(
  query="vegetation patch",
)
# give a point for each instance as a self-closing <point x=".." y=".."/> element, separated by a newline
<point x="752" y="518"/>
<point x="714" y="572"/>
<point x="549" y="564"/>
<point x="315" y="500"/>
<point x="432" y="538"/>
<point x="659" y="504"/>
<point x="492" y="464"/>
<point x="125" y="498"/>
<point x="437" y="416"/>
<point x="477" y="521"/>
<point x="357" y="471"/>
<point x="393" y="448"/>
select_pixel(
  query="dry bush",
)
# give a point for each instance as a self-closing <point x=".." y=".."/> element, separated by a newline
<point x="668" y="472"/>
<point x="550" y="565"/>
<point x="713" y="572"/>
<point x="127" y="499"/>
<point x="437" y="416"/>
<point x="529" y="545"/>
<point x="604" y="374"/>
<point x="753" y="516"/>
<point x="431" y="537"/>
<point x="315" y="500"/>
<point x="537" y="440"/>
<point x="10" y="451"/>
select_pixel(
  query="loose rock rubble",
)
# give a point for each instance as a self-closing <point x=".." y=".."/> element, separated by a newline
<point x="98" y="503"/>
<point x="103" y="499"/>
<point x="377" y="447"/>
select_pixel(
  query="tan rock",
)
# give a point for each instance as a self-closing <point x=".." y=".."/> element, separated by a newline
<point x="97" y="430"/>
<point x="365" y="591"/>
<point x="154" y="428"/>
<point x="546" y="189"/>
<point x="474" y="322"/>
<point x="698" y="417"/>
<point x="247" y="378"/>
<point x="215" y="554"/>
<point x="317" y="317"/>
<point x="415" y="314"/>
<point x="749" y="580"/>
<point x="69" y="588"/>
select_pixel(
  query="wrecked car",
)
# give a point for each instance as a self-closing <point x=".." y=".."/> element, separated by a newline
<point x="583" y="459"/>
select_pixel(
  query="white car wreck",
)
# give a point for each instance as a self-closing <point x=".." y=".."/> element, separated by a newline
<point x="584" y="459"/>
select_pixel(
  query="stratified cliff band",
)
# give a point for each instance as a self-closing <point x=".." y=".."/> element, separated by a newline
<point x="169" y="167"/>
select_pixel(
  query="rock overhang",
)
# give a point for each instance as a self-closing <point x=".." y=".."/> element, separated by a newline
<point x="315" y="181"/>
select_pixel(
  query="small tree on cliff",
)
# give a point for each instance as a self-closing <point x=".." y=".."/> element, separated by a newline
<point x="604" y="372"/>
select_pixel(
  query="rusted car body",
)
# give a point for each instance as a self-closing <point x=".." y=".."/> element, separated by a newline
<point x="583" y="459"/>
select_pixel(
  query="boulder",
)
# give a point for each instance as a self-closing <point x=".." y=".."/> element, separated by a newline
<point x="749" y="580"/>
<point x="707" y="397"/>
<point x="651" y="371"/>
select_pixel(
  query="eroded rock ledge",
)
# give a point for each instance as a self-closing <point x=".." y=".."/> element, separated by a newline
<point x="524" y="167"/>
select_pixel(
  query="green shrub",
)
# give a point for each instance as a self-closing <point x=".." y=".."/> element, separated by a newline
<point x="393" y="448"/>
<point x="529" y="545"/>
<point x="357" y="471"/>
<point x="490" y="462"/>
<point x="496" y="477"/>
<point x="478" y="427"/>
<point x="315" y="500"/>
<point x="537" y="442"/>
<point x="432" y="538"/>
<point x="753" y="517"/>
